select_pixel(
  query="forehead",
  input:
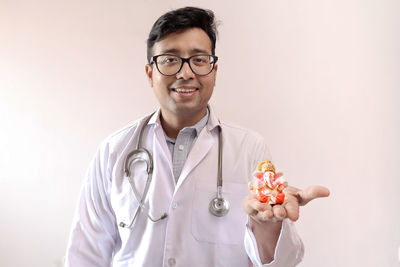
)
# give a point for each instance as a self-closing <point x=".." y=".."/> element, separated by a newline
<point x="188" y="42"/>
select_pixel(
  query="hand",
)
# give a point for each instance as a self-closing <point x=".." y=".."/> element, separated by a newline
<point x="294" y="198"/>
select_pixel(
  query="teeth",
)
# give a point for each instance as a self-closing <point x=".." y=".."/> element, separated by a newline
<point x="184" y="90"/>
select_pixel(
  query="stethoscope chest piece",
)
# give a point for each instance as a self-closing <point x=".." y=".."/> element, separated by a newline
<point x="219" y="206"/>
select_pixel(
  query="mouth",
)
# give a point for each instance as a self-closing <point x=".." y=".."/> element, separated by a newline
<point x="184" y="90"/>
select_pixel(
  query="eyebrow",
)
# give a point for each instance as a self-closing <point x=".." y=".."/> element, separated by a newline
<point x="193" y="51"/>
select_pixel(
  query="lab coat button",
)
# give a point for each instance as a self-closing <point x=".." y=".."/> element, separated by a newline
<point x="174" y="205"/>
<point x="171" y="261"/>
<point x="181" y="147"/>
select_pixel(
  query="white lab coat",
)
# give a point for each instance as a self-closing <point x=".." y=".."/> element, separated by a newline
<point x="190" y="235"/>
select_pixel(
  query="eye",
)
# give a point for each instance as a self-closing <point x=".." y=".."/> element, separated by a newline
<point x="168" y="59"/>
<point x="171" y="59"/>
<point x="201" y="60"/>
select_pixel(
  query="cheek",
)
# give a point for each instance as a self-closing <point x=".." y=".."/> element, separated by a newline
<point x="209" y="83"/>
<point x="156" y="81"/>
<point x="160" y="82"/>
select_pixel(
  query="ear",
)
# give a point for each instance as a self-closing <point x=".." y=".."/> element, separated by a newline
<point x="215" y="74"/>
<point x="149" y="74"/>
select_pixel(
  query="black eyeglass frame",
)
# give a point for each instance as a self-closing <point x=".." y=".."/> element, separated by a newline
<point x="183" y="60"/>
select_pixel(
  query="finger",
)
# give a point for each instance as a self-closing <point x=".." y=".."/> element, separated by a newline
<point x="279" y="212"/>
<point x="252" y="206"/>
<point x="248" y="205"/>
<point x="258" y="211"/>
<point x="312" y="192"/>
<point x="292" y="207"/>
<point x="263" y="216"/>
<point x="291" y="190"/>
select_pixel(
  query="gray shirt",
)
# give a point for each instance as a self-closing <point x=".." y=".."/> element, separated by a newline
<point x="181" y="146"/>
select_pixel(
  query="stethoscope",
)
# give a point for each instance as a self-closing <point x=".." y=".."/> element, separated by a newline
<point x="218" y="206"/>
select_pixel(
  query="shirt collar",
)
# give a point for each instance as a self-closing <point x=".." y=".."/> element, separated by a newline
<point x="211" y="120"/>
<point x="201" y="123"/>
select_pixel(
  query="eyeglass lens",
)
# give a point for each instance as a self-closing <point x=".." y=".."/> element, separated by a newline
<point x="170" y="65"/>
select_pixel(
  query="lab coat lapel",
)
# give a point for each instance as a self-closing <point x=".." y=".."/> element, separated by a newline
<point x="161" y="153"/>
<point x="199" y="150"/>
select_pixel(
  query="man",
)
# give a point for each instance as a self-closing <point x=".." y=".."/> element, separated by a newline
<point x="127" y="217"/>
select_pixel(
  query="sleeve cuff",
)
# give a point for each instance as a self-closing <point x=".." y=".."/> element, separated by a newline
<point x="289" y="249"/>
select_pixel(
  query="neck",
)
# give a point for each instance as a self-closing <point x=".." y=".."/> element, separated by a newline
<point x="173" y="123"/>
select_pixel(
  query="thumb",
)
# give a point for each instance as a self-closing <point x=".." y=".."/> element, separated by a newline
<point x="312" y="192"/>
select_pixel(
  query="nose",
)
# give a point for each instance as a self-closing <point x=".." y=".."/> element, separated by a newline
<point x="186" y="72"/>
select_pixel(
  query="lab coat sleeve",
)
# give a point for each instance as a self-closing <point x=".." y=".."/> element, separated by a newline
<point x="93" y="235"/>
<point x="289" y="249"/>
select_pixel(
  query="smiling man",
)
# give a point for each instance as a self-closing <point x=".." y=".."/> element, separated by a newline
<point x="169" y="189"/>
<point x="183" y="90"/>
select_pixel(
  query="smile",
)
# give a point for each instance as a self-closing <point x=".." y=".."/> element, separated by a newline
<point x="184" y="90"/>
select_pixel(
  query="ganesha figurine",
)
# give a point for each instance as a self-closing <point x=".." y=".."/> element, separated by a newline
<point x="267" y="184"/>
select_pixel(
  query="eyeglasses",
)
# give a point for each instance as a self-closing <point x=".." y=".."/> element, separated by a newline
<point x="170" y="65"/>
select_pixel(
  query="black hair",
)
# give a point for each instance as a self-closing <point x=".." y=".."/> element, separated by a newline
<point x="179" y="20"/>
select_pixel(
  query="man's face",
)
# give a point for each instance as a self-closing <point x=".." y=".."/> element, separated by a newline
<point x="198" y="89"/>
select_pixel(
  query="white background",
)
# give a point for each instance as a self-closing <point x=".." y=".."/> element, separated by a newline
<point x="319" y="79"/>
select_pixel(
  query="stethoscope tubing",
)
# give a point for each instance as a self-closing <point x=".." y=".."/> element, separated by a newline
<point x="218" y="206"/>
<point x="219" y="178"/>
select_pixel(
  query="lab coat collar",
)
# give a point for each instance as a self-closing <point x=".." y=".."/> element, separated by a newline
<point x="155" y="118"/>
<point x="201" y="147"/>
<point x="213" y="121"/>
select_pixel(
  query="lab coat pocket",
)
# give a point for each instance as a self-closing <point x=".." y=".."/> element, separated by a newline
<point x="228" y="229"/>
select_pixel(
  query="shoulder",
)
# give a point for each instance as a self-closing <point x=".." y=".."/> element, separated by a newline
<point x="245" y="141"/>
<point x="119" y="140"/>
<point x="122" y="134"/>
<point x="241" y="133"/>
